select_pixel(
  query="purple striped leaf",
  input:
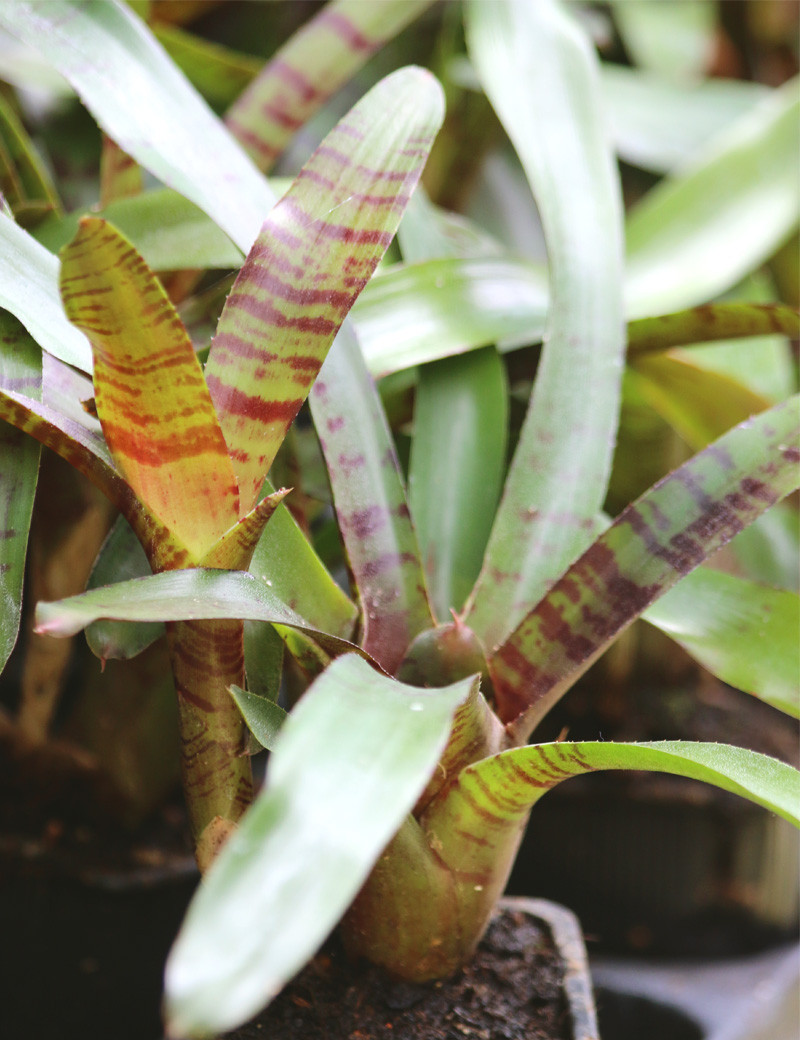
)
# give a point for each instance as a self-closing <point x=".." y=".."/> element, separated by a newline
<point x="308" y="70"/>
<point x="663" y="536"/>
<point x="314" y="255"/>
<point x="371" y="505"/>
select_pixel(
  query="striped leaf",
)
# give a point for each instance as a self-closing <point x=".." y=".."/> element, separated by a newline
<point x="371" y="505"/>
<point x="652" y="544"/>
<point x="79" y="446"/>
<point x="714" y="321"/>
<point x="152" y="401"/>
<point x="475" y="827"/>
<point x="541" y="75"/>
<point x="315" y="253"/>
<point x="308" y="70"/>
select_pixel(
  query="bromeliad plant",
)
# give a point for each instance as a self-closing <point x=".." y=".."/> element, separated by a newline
<point x="399" y="785"/>
<point x="183" y="454"/>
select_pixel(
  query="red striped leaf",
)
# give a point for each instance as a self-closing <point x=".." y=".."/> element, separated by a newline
<point x="315" y="253"/>
<point x="152" y="401"/>
<point x="308" y="70"/>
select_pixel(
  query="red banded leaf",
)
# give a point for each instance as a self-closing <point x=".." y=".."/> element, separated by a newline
<point x="235" y="548"/>
<point x="370" y="502"/>
<point x="79" y="446"/>
<point x="315" y="253"/>
<point x="664" y="535"/>
<point x="308" y="70"/>
<point x="475" y="827"/>
<point x="152" y="401"/>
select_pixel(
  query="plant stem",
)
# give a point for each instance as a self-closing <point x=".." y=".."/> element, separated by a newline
<point x="207" y="658"/>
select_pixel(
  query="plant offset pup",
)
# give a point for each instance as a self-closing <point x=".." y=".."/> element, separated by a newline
<point x="399" y="785"/>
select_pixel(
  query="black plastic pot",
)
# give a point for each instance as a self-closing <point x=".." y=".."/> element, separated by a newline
<point x="669" y="869"/>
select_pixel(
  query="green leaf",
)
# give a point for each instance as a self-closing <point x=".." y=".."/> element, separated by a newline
<point x="746" y="634"/>
<point x="29" y="289"/>
<point x="29" y="172"/>
<point x="285" y="560"/>
<point x="168" y="230"/>
<point x="263" y="660"/>
<point x="120" y="559"/>
<point x="141" y="100"/>
<point x="458" y="451"/>
<point x="458" y="458"/>
<point x="190" y="594"/>
<point x="219" y="73"/>
<point x="263" y="716"/>
<point x="310" y="68"/>
<point x="412" y="314"/>
<point x="699" y="232"/>
<point x="699" y="404"/>
<point x="541" y="76"/>
<point x="672" y="38"/>
<point x="650" y="546"/>
<point x="370" y="501"/>
<point x="768" y="551"/>
<point x="348" y="766"/>
<point x="658" y="125"/>
<point x="316" y="251"/>
<point x="20" y="367"/>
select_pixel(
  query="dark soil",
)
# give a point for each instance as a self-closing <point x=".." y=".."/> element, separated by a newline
<point x="510" y="991"/>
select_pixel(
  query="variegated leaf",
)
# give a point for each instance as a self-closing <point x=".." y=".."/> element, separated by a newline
<point x="314" y="255"/>
<point x="652" y="544"/>
<point x="152" y="401"/>
<point x="308" y="70"/>
<point x="371" y="506"/>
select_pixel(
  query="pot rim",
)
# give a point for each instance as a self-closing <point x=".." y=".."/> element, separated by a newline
<point x="568" y="938"/>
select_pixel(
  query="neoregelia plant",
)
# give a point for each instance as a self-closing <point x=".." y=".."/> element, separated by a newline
<point x="184" y="456"/>
<point x="399" y="785"/>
